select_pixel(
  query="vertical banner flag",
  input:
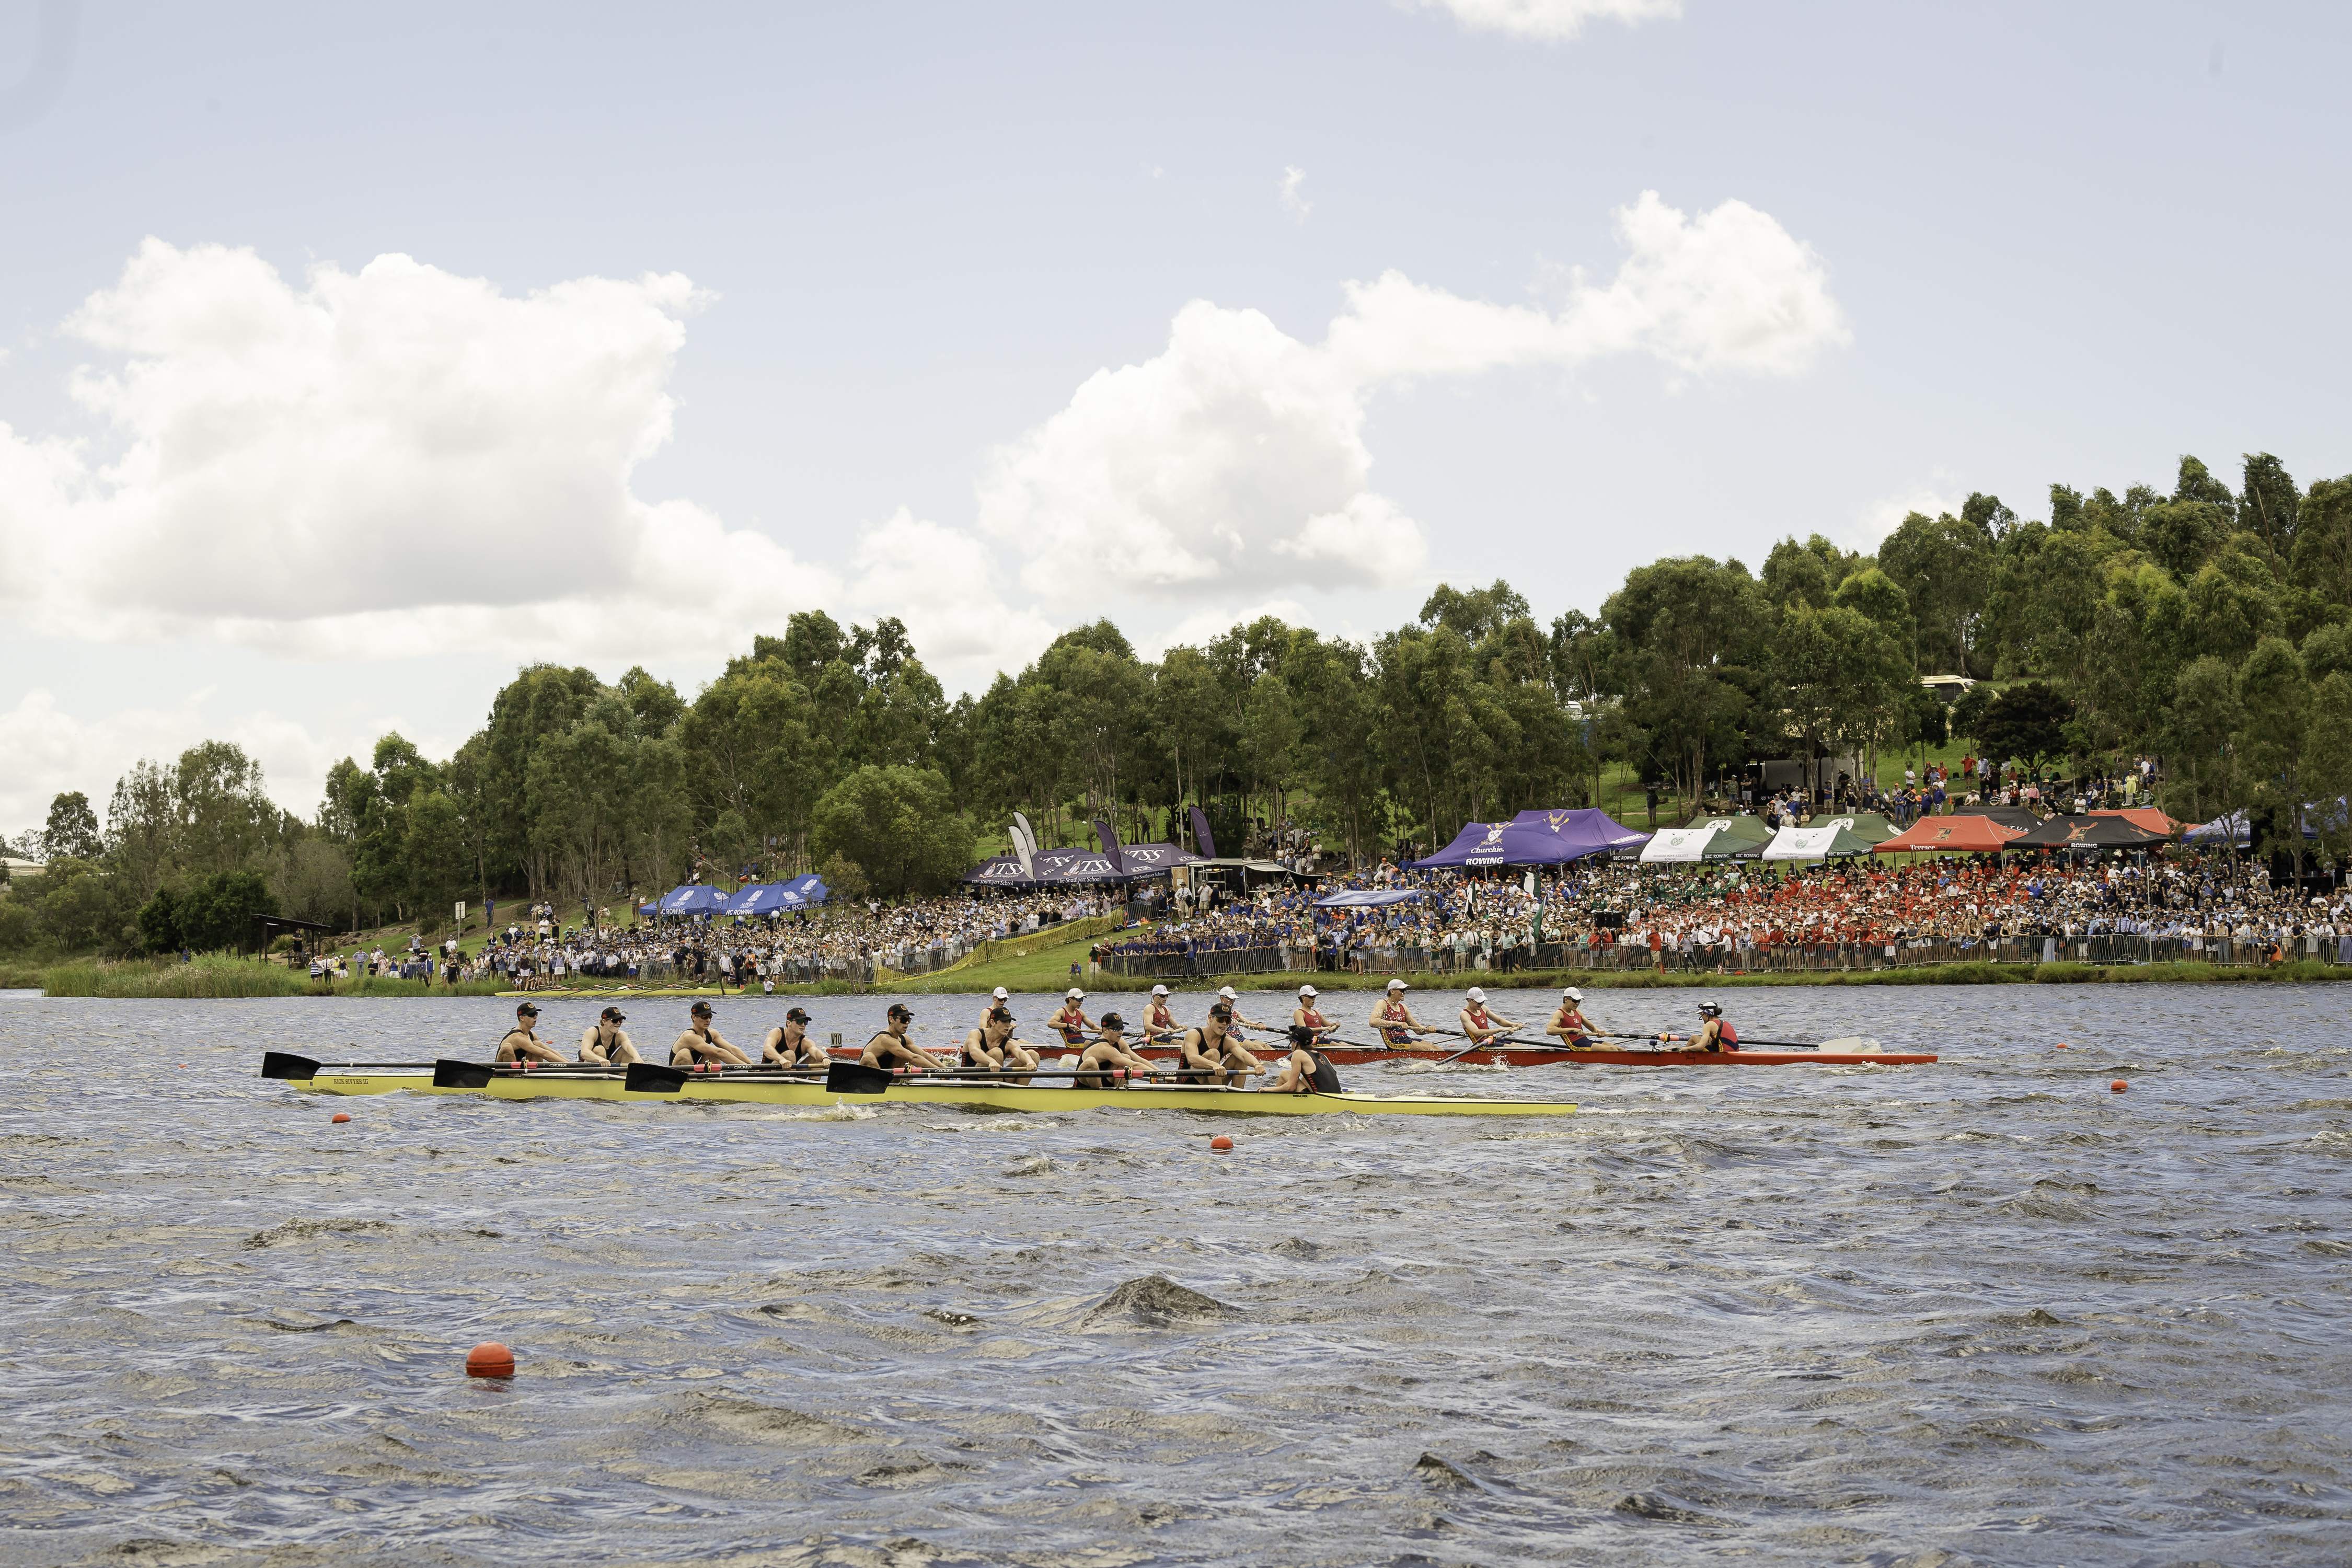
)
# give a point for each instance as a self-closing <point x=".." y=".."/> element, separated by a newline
<point x="1200" y="831"/>
<point x="1024" y="845"/>
<point x="1109" y="842"/>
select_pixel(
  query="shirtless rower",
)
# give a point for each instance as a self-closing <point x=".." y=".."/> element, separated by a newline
<point x="1108" y="1063"/>
<point x="892" y="1048"/>
<point x="1305" y="1070"/>
<point x="789" y="1045"/>
<point x="1574" y="1029"/>
<point x="1479" y="1025"/>
<point x="701" y="1042"/>
<point x="1394" y="1020"/>
<point x="606" y="1044"/>
<point x="521" y="1045"/>
<point x="1306" y="1016"/>
<point x="1158" y="1023"/>
<point x="1069" y="1020"/>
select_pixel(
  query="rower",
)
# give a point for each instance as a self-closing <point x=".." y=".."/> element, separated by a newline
<point x="992" y="1047"/>
<point x="1233" y="1002"/>
<point x="1306" y="1016"/>
<point x="606" y="1044"/>
<point x="521" y="1045"/>
<point x="1213" y="1053"/>
<point x="892" y="1048"/>
<point x="1114" y="1064"/>
<point x="1307" y="1070"/>
<point x="1158" y="1023"/>
<point x="1714" y="1033"/>
<point x="788" y="1046"/>
<point x="702" y="1043"/>
<point x="1574" y="1029"/>
<point x="1479" y="1025"/>
<point x="1069" y="1020"/>
<point x="999" y="997"/>
<point x="1394" y="1020"/>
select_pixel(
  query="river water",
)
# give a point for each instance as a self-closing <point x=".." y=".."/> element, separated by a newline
<point x="1984" y="1312"/>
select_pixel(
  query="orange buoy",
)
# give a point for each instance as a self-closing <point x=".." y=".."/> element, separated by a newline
<point x="1221" y="1141"/>
<point x="490" y="1359"/>
<point x="2118" y="1087"/>
<point x="341" y="1116"/>
<point x="2062" y="1045"/>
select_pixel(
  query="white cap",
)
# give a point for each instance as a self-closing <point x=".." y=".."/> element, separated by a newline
<point x="1159" y="991"/>
<point x="1001" y="995"/>
<point x="1397" y="985"/>
<point x="1075" y="994"/>
<point x="1476" y="994"/>
<point x="1228" y="994"/>
<point x="1573" y="994"/>
<point x="1308" y="991"/>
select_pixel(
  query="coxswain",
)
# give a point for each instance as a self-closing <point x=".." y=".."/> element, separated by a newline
<point x="702" y="1043"/>
<point x="1394" y="1021"/>
<point x="606" y="1044"/>
<point x="1305" y="1015"/>
<point x="1069" y="1020"/>
<point x="1160" y="1023"/>
<point x="1108" y="1063"/>
<point x="1574" y="1029"/>
<point x="1479" y="1025"/>
<point x="1307" y="1070"/>
<point x="892" y="1049"/>
<point x="788" y="1045"/>
<point x="521" y="1045"/>
<point x="1714" y="1033"/>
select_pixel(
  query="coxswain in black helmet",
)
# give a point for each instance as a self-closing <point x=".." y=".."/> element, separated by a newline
<point x="1306" y="1069"/>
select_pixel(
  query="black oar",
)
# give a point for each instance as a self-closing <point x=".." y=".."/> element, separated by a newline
<point x="286" y="1065"/>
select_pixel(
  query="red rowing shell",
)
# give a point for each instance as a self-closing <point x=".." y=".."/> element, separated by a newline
<point x="1535" y="1057"/>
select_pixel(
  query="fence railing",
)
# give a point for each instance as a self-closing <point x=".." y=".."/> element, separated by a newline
<point x="1779" y="958"/>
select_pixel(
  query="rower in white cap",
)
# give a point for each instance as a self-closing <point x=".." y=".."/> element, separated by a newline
<point x="1158" y="1023"/>
<point x="1394" y="1020"/>
<point x="1069" y="1020"/>
<point x="1233" y="1005"/>
<point x="999" y="997"/>
<point x="1574" y="1029"/>
<point x="1307" y="1017"/>
<point x="1479" y="1025"/>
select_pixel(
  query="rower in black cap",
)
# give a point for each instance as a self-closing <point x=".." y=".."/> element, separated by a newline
<point x="522" y="1044"/>
<point x="892" y="1048"/>
<point x="606" y="1044"/>
<point x="1106" y="1063"/>
<point x="790" y="1046"/>
<point x="702" y="1043"/>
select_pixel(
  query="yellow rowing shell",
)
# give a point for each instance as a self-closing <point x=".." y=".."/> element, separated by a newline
<point x="733" y="1090"/>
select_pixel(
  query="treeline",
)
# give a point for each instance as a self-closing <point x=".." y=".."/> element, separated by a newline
<point x="2206" y="624"/>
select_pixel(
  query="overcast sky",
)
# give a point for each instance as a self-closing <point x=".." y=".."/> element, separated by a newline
<point x="355" y="356"/>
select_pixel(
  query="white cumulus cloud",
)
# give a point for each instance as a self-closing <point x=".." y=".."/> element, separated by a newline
<point x="398" y="460"/>
<point x="1551" y="21"/>
<point x="1294" y="195"/>
<point x="1239" y="451"/>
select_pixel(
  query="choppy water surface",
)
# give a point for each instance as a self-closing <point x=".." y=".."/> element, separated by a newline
<point x="1985" y="1311"/>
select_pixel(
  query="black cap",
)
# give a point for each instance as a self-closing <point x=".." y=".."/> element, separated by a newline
<point x="700" y="1010"/>
<point x="797" y="1015"/>
<point x="999" y="1015"/>
<point x="526" y="1007"/>
<point x="1301" y="1035"/>
<point x="898" y="1010"/>
<point x="1221" y="1013"/>
<point x="1113" y="1021"/>
<point x="614" y="1014"/>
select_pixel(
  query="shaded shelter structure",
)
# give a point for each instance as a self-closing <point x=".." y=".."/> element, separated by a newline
<point x="1969" y="832"/>
<point x="1831" y="841"/>
<point x="2086" y="832"/>
<point x="2017" y="816"/>
<point x="1535" y="838"/>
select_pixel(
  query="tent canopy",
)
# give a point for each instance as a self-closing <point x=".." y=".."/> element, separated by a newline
<point x="2016" y="817"/>
<point x="693" y="898"/>
<point x="808" y="887"/>
<point x="2229" y="829"/>
<point x="1536" y="838"/>
<point x="1738" y="829"/>
<point x="2146" y="816"/>
<point x="1970" y="831"/>
<point x="1820" y="842"/>
<point x="1870" y="826"/>
<point x="1363" y="899"/>
<point x="2086" y="832"/>
<point x="761" y="899"/>
<point x="1674" y="845"/>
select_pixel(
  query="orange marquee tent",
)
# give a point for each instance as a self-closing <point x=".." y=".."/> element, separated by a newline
<point x="1968" y="832"/>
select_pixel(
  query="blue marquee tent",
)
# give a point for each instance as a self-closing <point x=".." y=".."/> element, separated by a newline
<point x="693" y="898"/>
